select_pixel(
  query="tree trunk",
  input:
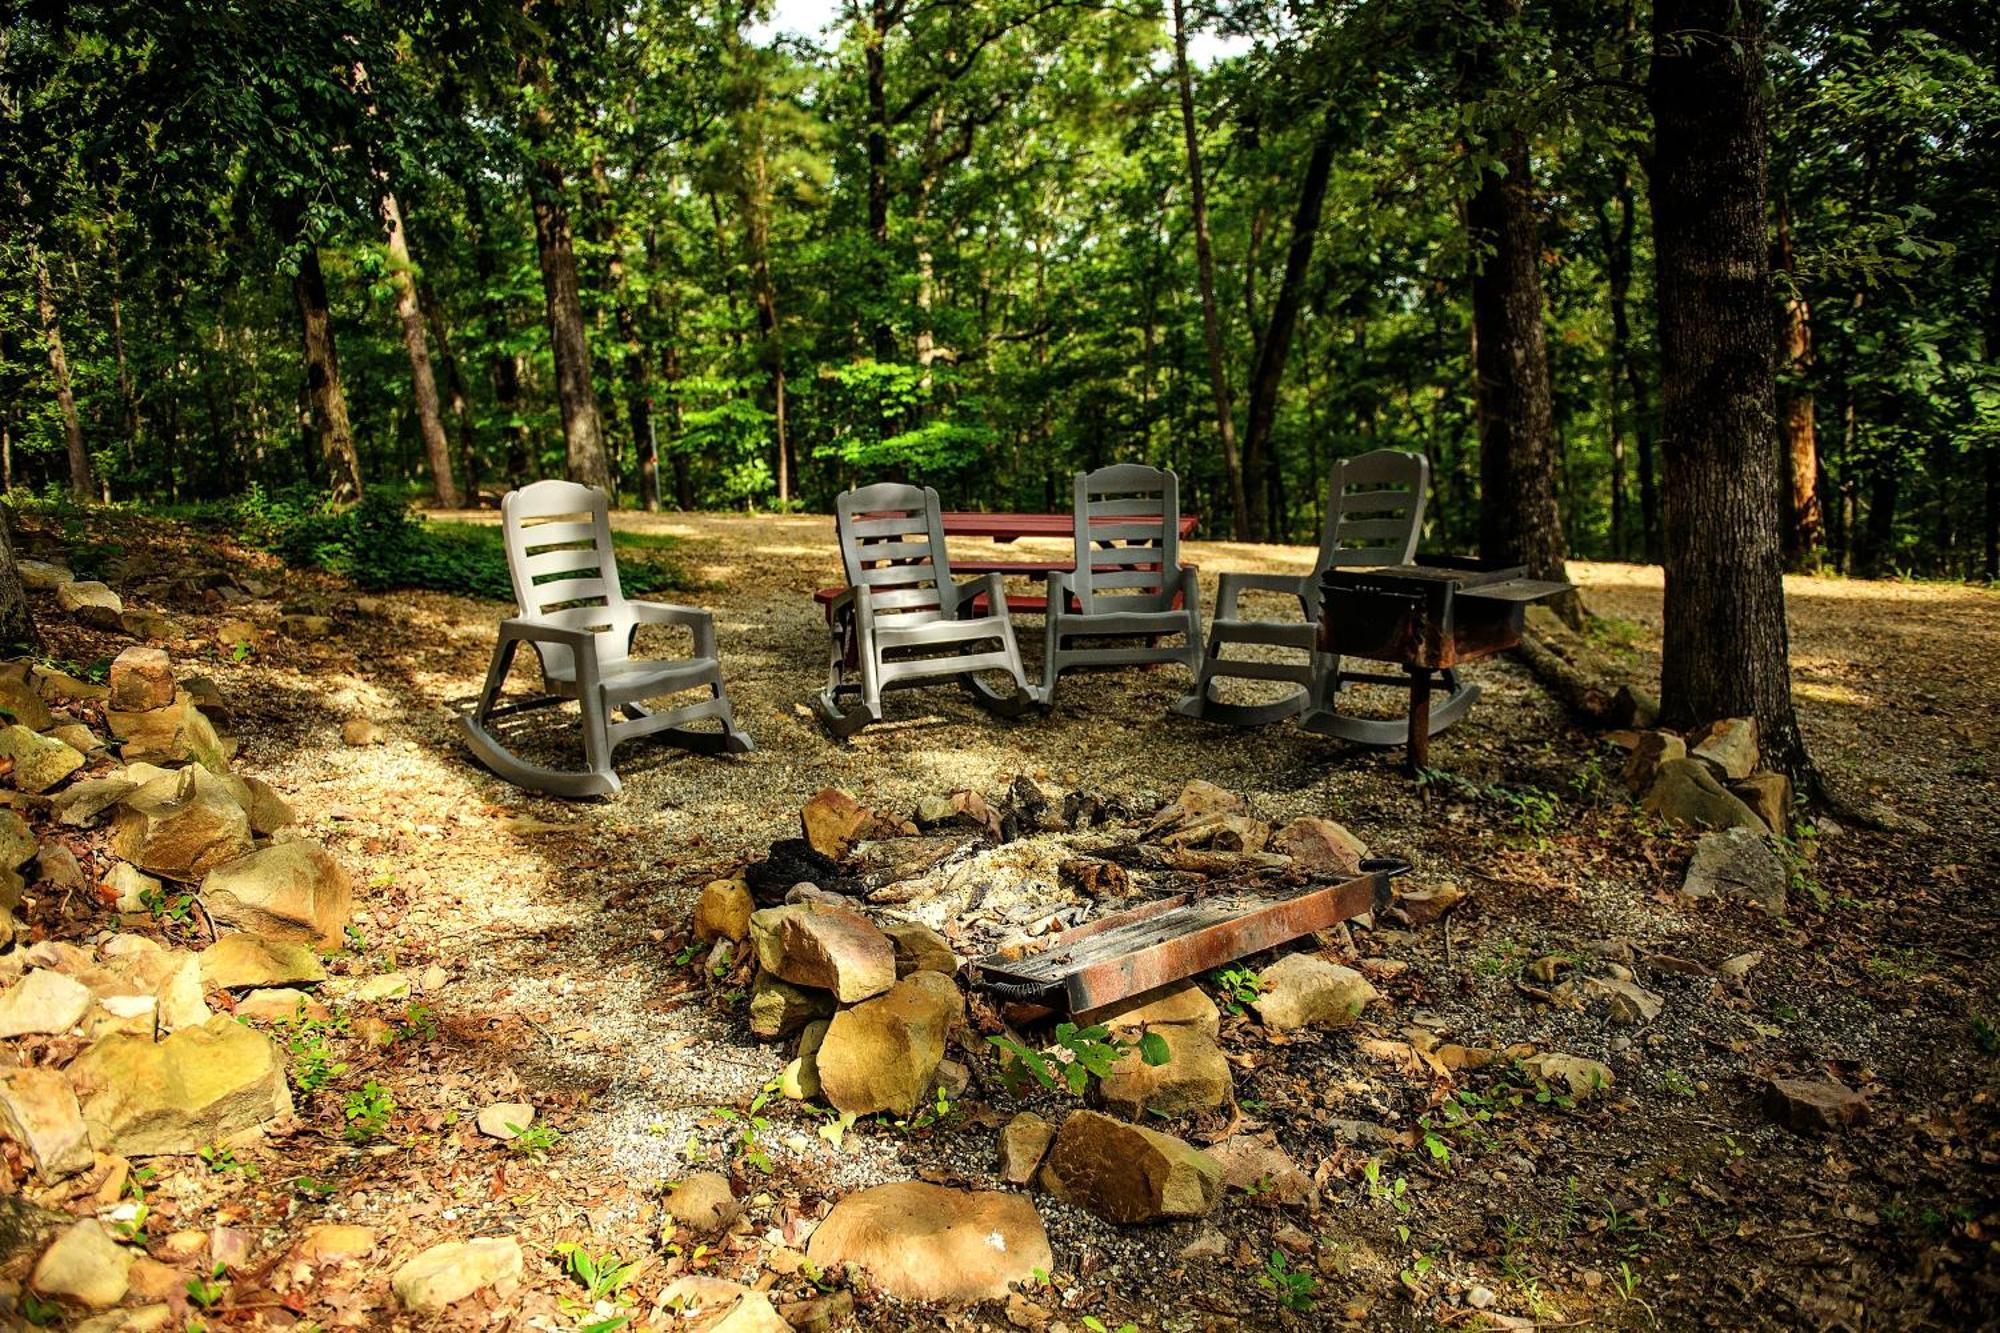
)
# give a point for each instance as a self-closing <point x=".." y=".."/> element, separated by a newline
<point x="583" y="429"/>
<point x="80" y="483"/>
<point x="458" y="397"/>
<point x="1616" y="242"/>
<point x="1275" y="346"/>
<point x="503" y="367"/>
<point x="338" y="460"/>
<point x="1993" y="446"/>
<point x="876" y="69"/>
<point x="1805" y="526"/>
<point x="756" y="203"/>
<point x="410" y="315"/>
<point x="1519" y="523"/>
<point x="128" y="393"/>
<point x="17" y="622"/>
<point x="1726" y="651"/>
<point x="1204" y="257"/>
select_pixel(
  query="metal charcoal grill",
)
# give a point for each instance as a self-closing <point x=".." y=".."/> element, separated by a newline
<point x="1128" y="953"/>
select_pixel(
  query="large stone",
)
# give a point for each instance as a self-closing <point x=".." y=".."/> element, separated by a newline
<point x="1195" y="1078"/>
<point x="179" y="1095"/>
<point x="1263" y="1170"/>
<point x="268" y="811"/>
<point x="1770" y="796"/>
<point x="65" y="688"/>
<point x="86" y="1266"/>
<point x="881" y="1055"/>
<point x="445" y="1274"/>
<point x="20" y="703"/>
<point x="1570" y="1075"/>
<point x="141" y="679"/>
<point x="778" y="1008"/>
<point x="176" y="733"/>
<point x="921" y="1242"/>
<point x="1320" y="845"/>
<point x="918" y="948"/>
<point x="1182" y="1005"/>
<point x="723" y="911"/>
<point x="336" y="1243"/>
<point x="1198" y="800"/>
<point x="181" y="826"/>
<point x="247" y="960"/>
<point x="826" y="945"/>
<point x="1728" y="747"/>
<point x="1024" y="1142"/>
<point x="1643" y="764"/>
<point x="1686" y="794"/>
<point x="152" y="626"/>
<point x="40" y="762"/>
<point x="84" y="802"/>
<point x="752" y="1312"/>
<point x="704" y="1203"/>
<point x="834" y="821"/>
<point x="43" y="1001"/>
<point x="91" y="602"/>
<point x="1625" y="1002"/>
<point x="1814" y="1104"/>
<point x="18" y="843"/>
<point x="42" y="575"/>
<point x="1301" y="990"/>
<point x="1737" y="863"/>
<point x="799" y="1080"/>
<point x="504" y="1120"/>
<point x="39" y="1112"/>
<point x="1127" y="1173"/>
<point x="289" y="891"/>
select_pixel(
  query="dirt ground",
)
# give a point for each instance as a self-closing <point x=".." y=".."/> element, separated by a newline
<point x="1672" y="1199"/>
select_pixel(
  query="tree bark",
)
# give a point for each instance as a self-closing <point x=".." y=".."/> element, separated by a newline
<point x="1204" y="257"/>
<point x="756" y="203"/>
<point x="1519" y="522"/>
<point x="80" y="482"/>
<point x="17" y="622"/>
<point x="423" y="383"/>
<point x="881" y="17"/>
<point x="338" y="461"/>
<point x="503" y="367"/>
<point x="1992" y="514"/>
<point x="1805" y="525"/>
<point x="458" y="398"/>
<point x="1726" y="651"/>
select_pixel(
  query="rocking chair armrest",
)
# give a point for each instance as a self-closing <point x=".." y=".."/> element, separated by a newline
<point x="582" y="643"/>
<point x="994" y="585"/>
<point x="1232" y="585"/>
<point x="667" y="613"/>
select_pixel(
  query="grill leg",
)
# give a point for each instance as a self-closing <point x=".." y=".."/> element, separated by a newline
<point x="1420" y="720"/>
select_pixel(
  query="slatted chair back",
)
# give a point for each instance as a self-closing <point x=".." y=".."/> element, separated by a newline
<point x="892" y="543"/>
<point x="565" y="572"/>
<point x="1374" y="509"/>
<point x="1128" y="539"/>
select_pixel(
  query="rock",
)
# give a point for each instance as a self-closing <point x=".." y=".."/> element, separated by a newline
<point x="359" y="732"/>
<point x="723" y="911"/>
<point x="448" y="1273"/>
<point x="267" y="810"/>
<point x="921" y="1242"/>
<point x="199" y="1085"/>
<point x="1127" y="1173"/>
<point x="56" y="864"/>
<point x="305" y="628"/>
<point x="1578" y="1077"/>
<point x="1209" y="1243"/>
<point x="132" y="885"/>
<point x="1633" y="707"/>
<point x="752" y="1312"/>
<point x="505" y="1120"/>
<point x="91" y="602"/>
<point x="1737" y="966"/>
<point x="820" y="1314"/>
<point x="834" y="821"/>
<point x="39" y="1112"/>
<point x="693" y="1294"/>
<point x="382" y="986"/>
<point x="1769" y="795"/>
<point x="1302" y="990"/>
<point x="66" y="688"/>
<point x="81" y="803"/>
<point x="800" y="1079"/>
<point x="1195" y="1078"/>
<point x="1728" y="747"/>
<point x="128" y="1015"/>
<point x="333" y="1243"/>
<point x="880" y="1055"/>
<point x="279" y="1004"/>
<point x="181" y="826"/>
<point x="20" y="703"/>
<point x="78" y="737"/>
<point x="1625" y="1001"/>
<point x="246" y="960"/>
<point x="1643" y="764"/>
<point x="1814" y="1104"/>
<point x="1685" y="793"/>
<point x="1320" y="845"/>
<point x="1737" y="863"/>
<point x="824" y="945"/>
<point x="42" y="575"/>
<point x="42" y="1001"/>
<point x="149" y="1280"/>
<point x="85" y="1266"/>
<point x="778" y="1008"/>
<point x="1263" y="1170"/>
<point x="150" y="625"/>
<point x="918" y="948"/>
<point x="288" y="891"/>
<point x="1198" y="800"/>
<point x="1424" y="907"/>
<point x="40" y="762"/>
<point x="1024" y="1142"/>
<point x="142" y="679"/>
<point x="1181" y="1005"/>
<point x="18" y="843"/>
<point x="180" y="996"/>
<point x="704" y="1203"/>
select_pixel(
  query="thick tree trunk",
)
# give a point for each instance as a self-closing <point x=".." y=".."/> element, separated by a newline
<point x="503" y="367"/>
<point x="80" y="482"/>
<point x="338" y="460"/>
<point x="1519" y="522"/>
<point x="128" y="393"/>
<point x="683" y="474"/>
<point x="1204" y="258"/>
<point x="17" y="623"/>
<point x="423" y="383"/>
<point x="1805" y="525"/>
<point x="1992" y="515"/>
<point x="458" y="398"/>
<point x="756" y="201"/>
<point x="555" y="246"/>
<point x="1274" y="348"/>
<point x="881" y="18"/>
<point x="1616" y="242"/>
<point x="1726" y="650"/>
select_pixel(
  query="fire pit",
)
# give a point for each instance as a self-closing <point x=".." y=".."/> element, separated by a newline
<point x="1427" y="618"/>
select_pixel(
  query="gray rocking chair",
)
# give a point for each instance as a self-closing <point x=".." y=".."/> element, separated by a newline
<point x="1128" y="582"/>
<point x="1374" y="515"/>
<point x="901" y="620"/>
<point x="575" y="616"/>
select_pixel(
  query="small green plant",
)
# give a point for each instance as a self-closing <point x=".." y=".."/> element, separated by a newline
<point x="1413" y="1276"/>
<point x="1091" y="1052"/>
<point x="368" y="1110"/>
<point x="313" y="1063"/>
<point x="689" y="952"/>
<point x="418" y="1025"/>
<point x="1985" y="1035"/>
<point x="354" y="940"/>
<point x="602" y="1277"/>
<point x="38" y="1312"/>
<point x="222" y="1159"/>
<point x="753" y="1122"/>
<point x="166" y="905"/>
<point x="1096" y="1325"/>
<point x="1679" y="1084"/>
<point x="535" y="1140"/>
<point x="207" y="1292"/>
<point x="309" y="1188"/>
<point x="1293" y="1287"/>
<point x="239" y="652"/>
<point x="1236" y="986"/>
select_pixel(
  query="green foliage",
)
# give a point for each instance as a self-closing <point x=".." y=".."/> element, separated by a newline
<point x="206" y="1292"/>
<point x="1236" y="986"/>
<point x="603" y="1278"/>
<point x="368" y="1109"/>
<point x="1087" y="1053"/>
<point x="314" y="1065"/>
<point x="1293" y="1287"/>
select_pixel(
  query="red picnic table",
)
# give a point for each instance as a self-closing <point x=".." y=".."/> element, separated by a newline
<point x="1007" y="528"/>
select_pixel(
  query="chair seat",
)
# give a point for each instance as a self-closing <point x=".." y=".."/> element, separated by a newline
<point x="1124" y="622"/>
<point x="1279" y="633"/>
<point x="888" y="634"/>
<point x="641" y="678"/>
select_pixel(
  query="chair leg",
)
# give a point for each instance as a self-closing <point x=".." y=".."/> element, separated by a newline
<point x="1022" y="700"/>
<point x="1051" y="652"/>
<point x="485" y="747"/>
<point x="840" y="722"/>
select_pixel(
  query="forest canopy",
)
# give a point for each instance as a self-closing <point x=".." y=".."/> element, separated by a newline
<point x="670" y="248"/>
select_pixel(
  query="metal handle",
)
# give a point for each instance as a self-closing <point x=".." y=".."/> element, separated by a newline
<point x="1395" y="867"/>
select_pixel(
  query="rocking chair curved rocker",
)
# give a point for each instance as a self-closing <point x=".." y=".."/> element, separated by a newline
<point x="575" y="617"/>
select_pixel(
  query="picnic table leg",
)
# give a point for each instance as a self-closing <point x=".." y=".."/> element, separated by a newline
<point x="1420" y="720"/>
